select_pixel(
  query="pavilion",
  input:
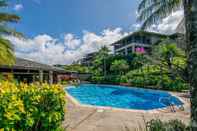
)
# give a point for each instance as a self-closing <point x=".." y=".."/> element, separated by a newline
<point x="31" y="71"/>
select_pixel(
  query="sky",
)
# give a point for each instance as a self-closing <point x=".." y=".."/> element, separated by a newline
<point x="63" y="31"/>
<point x="74" y="16"/>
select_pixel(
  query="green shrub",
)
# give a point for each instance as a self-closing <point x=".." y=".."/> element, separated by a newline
<point x="174" y="85"/>
<point x="106" y="80"/>
<point x="151" y="76"/>
<point x="97" y="79"/>
<point x="31" y="107"/>
<point x="123" y="79"/>
<point x="1" y="77"/>
<point x="172" y="125"/>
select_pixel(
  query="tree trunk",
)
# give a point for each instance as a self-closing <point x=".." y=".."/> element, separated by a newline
<point x="190" y="12"/>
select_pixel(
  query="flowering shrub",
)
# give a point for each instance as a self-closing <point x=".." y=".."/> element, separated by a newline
<point x="31" y="107"/>
<point x="140" y="50"/>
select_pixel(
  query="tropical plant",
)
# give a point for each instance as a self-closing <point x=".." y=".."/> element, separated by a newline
<point x="6" y="49"/>
<point x="32" y="107"/>
<point x="169" y="56"/>
<point x="6" y="52"/>
<point x="119" y="67"/>
<point x="151" y="76"/>
<point x="153" y="11"/>
<point x="173" y="125"/>
<point x="100" y="61"/>
<point x="76" y="68"/>
<point x="138" y="60"/>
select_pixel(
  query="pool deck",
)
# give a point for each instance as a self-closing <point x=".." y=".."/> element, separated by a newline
<point x="88" y="118"/>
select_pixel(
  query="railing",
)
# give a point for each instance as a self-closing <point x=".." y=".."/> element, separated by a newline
<point x="169" y="103"/>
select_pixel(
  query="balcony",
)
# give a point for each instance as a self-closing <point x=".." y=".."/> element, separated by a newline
<point x="132" y="41"/>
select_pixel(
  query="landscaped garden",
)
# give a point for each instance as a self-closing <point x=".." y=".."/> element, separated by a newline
<point x="41" y="106"/>
<point x="162" y="69"/>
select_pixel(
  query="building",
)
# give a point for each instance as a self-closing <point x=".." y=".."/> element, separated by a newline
<point x="87" y="59"/>
<point x="181" y="27"/>
<point x="139" y="39"/>
<point x="30" y="71"/>
<point x="179" y="35"/>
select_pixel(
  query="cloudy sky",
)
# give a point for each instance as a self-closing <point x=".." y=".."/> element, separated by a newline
<point x="60" y="32"/>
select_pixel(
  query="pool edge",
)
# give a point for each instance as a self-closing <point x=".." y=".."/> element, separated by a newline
<point x="158" y="110"/>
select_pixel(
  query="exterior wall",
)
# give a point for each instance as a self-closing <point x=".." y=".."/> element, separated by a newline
<point x="155" y="39"/>
<point x="126" y="48"/>
<point x="130" y="48"/>
<point x="87" y="60"/>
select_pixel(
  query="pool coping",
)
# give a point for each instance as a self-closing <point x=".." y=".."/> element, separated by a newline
<point x="158" y="110"/>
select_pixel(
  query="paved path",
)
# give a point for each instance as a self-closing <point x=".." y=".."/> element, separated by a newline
<point x="80" y="118"/>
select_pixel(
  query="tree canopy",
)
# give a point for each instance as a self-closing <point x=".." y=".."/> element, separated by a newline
<point x="6" y="48"/>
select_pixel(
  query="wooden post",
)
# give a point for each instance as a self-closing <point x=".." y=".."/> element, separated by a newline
<point x="58" y="79"/>
<point x="41" y="75"/>
<point x="50" y="77"/>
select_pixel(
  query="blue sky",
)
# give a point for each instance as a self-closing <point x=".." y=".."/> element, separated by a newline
<point x="56" y="17"/>
<point x="63" y="31"/>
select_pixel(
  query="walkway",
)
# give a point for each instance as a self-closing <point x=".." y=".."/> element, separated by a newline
<point x="80" y="118"/>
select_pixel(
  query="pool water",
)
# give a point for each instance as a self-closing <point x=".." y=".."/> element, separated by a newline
<point x="122" y="97"/>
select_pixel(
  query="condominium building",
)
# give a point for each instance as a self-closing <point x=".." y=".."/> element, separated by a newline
<point x="137" y="40"/>
<point x="87" y="59"/>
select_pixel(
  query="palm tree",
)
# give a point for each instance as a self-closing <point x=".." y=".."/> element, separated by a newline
<point x="100" y="60"/>
<point x="153" y="11"/>
<point x="6" y="48"/>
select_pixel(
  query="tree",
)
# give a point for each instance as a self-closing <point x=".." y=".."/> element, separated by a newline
<point x="100" y="61"/>
<point x="6" y="48"/>
<point x="119" y="67"/>
<point x="76" y="67"/>
<point x="169" y="56"/>
<point x="153" y="11"/>
<point x="138" y="60"/>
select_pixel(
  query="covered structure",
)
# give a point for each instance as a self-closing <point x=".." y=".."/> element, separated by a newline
<point x="30" y="71"/>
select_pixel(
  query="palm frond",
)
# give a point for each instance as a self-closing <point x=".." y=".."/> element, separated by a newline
<point x="145" y="3"/>
<point x="6" y="48"/>
<point x="4" y="30"/>
<point x="6" y="17"/>
<point x="6" y="52"/>
<point x="153" y="11"/>
<point x="148" y="10"/>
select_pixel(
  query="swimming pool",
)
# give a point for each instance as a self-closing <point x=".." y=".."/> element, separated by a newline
<point x="122" y="97"/>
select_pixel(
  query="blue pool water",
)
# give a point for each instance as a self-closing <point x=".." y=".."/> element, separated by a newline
<point x="122" y="97"/>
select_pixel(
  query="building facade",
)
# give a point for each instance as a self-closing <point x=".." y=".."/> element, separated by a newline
<point x="87" y="60"/>
<point x="179" y="35"/>
<point x="137" y="40"/>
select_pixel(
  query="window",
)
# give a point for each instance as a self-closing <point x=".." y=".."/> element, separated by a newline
<point x="129" y="50"/>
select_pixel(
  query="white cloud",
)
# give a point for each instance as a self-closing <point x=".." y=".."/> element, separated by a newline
<point x="167" y="26"/>
<point x="18" y="7"/>
<point x="46" y="49"/>
<point x="71" y="42"/>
